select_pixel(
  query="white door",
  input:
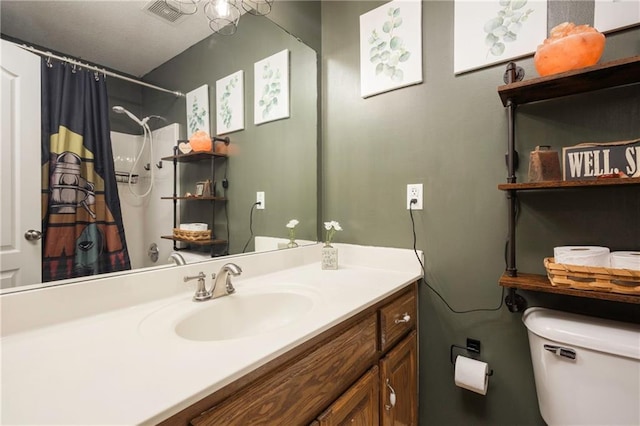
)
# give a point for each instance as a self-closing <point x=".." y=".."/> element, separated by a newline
<point x="20" y="177"/>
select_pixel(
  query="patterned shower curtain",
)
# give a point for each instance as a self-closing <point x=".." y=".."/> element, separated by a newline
<point x="82" y="225"/>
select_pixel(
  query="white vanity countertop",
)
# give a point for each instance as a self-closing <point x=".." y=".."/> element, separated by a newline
<point x="104" y="368"/>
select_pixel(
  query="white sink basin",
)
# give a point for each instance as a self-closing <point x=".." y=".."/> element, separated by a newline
<point x="241" y="315"/>
<point x="248" y="312"/>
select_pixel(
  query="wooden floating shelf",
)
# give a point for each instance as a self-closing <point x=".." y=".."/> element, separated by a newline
<point x="195" y="198"/>
<point x="197" y="243"/>
<point x="194" y="156"/>
<point x="568" y="184"/>
<point x="611" y="74"/>
<point x="535" y="282"/>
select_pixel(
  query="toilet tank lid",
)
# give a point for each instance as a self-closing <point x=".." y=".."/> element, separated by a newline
<point x="614" y="337"/>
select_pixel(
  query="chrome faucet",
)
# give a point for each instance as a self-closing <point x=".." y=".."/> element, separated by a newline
<point x="221" y="285"/>
<point x="177" y="258"/>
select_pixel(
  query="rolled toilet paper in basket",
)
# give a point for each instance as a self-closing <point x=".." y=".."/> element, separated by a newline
<point x="625" y="260"/>
<point x="471" y="374"/>
<point x="582" y="255"/>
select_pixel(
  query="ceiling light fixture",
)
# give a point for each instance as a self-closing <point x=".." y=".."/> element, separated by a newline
<point x="223" y="15"/>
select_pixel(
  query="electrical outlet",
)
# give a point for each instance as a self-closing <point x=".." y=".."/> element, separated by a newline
<point x="260" y="199"/>
<point x="414" y="191"/>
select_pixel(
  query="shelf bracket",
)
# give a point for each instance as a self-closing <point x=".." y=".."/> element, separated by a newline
<point x="513" y="73"/>
<point x="515" y="302"/>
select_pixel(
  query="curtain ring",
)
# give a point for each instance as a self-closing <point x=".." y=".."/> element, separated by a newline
<point x="96" y="75"/>
<point x="49" y="64"/>
<point x="73" y="68"/>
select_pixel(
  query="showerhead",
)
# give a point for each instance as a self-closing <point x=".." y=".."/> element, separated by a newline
<point x="121" y="110"/>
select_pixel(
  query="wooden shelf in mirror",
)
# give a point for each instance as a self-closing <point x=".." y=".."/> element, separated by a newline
<point x="194" y="156"/>
<point x="207" y="198"/>
<point x="197" y="243"/>
<point x="568" y="184"/>
<point x="535" y="282"/>
<point x="611" y="74"/>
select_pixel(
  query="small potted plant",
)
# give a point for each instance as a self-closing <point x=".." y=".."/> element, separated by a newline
<point x="292" y="233"/>
<point x="330" y="253"/>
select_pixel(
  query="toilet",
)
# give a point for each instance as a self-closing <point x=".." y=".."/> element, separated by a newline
<point x="587" y="370"/>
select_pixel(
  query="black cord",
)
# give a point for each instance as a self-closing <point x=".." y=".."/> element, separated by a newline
<point x="250" y="226"/>
<point x="424" y="275"/>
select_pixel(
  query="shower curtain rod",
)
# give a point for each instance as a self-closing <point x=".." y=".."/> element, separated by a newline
<point x="92" y="68"/>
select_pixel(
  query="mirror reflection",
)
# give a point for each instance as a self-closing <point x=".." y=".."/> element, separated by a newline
<point x="276" y="158"/>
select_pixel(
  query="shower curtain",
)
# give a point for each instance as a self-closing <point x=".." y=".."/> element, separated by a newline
<point x="81" y="219"/>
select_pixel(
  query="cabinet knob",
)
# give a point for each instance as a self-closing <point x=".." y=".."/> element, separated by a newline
<point x="405" y="318"/>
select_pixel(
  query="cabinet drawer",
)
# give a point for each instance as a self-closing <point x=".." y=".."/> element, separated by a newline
<point x="295" y="394"/>
<point x="396" y="319"/>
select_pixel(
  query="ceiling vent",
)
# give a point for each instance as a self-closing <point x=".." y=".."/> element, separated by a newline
<point x="161" y="10"/>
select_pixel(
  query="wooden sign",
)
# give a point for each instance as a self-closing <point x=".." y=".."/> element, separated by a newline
<point x="587" y="161"/>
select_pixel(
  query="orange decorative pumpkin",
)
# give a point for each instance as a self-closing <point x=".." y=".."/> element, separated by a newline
<point x="569" y="47"/>
<point x="200" y="141"/>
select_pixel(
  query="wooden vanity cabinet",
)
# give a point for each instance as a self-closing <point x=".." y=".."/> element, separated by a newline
<point x="396" y="384"/>
<point x="342" y="376"/>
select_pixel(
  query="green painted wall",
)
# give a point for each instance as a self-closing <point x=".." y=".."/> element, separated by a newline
<point x="278" y="157"/>
<point x="449" y="133"/>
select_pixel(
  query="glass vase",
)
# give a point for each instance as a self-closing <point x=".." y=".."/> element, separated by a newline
<point x="292" y="243"/>
<point x="329" y="257"/>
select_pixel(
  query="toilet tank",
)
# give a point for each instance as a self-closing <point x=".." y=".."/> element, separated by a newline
<point x="587" y="370"/>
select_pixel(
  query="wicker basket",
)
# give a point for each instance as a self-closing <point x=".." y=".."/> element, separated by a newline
<point x="192" y="235"/>
<point x="624" y="281"/>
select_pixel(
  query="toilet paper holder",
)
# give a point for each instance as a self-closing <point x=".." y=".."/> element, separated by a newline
<point x="473" y="346"/>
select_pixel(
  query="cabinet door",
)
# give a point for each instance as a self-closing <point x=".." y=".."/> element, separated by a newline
<point x="399" y="384"/>
<point x="356" y="407"/>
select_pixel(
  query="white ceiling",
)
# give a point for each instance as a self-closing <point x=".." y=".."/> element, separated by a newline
<point x="116" y="34"/>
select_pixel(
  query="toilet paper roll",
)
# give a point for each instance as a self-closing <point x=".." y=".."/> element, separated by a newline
<point x="625" y="260"/>
<point x="472" y="375"/>
<point x="582" y="255"/>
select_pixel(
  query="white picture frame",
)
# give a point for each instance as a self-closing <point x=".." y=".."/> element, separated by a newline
<point x="391" y="47"/>
<point x="610" y="15"/>
<point x="487" y="33"/>
<point x="198" y="110"/>
<point x="271" y="88"/>
<point x="230" y="103"/>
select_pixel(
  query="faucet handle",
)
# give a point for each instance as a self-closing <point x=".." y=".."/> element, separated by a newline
<point x="201" y="289"/>
<point x="200" y="276"/>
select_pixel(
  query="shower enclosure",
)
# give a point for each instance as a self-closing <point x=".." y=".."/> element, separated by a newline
<point x="147" y="217"/>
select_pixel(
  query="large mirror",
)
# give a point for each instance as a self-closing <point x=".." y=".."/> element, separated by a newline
<point x="277" y="158"/>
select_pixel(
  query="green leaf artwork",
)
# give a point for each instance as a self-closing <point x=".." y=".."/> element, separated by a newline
<point x="387" y="51"/>
<point x="504" y="28"/>
<point x="271" y="89"/>
<point x="226" y="112"/>
<point x="196" y="116"/>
